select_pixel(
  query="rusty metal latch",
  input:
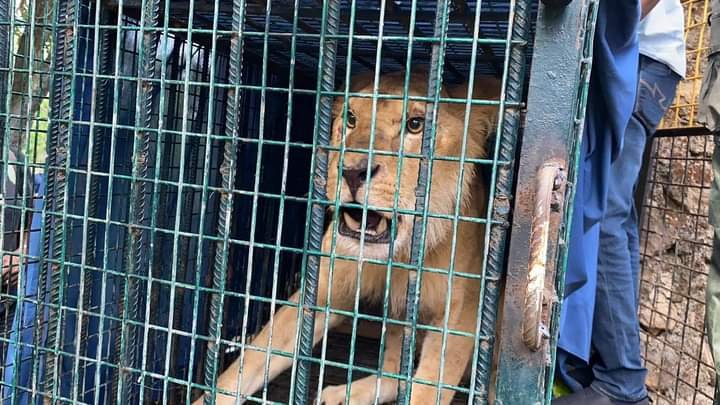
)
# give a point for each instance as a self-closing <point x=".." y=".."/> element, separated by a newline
<point x="549" y="184"/>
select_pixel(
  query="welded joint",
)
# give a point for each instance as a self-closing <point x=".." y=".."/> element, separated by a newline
<point x="147" y="85"/>
<point x="320" y="182"/>
<point x="141" y="158"/>
<point x="225" y="172"/>
<point x="491" y="285"/>
<point x="134" y="230"/>
<point x="502" y="205"/>
<point x="550" y="182"/>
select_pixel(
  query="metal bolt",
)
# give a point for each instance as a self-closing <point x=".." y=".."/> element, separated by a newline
<point x="559" y="180"/>
<point x="544" y="332"/>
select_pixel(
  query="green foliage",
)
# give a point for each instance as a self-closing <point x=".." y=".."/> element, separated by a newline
<point x="36" y="151"/>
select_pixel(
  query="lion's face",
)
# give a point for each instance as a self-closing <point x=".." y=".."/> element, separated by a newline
<point x="380" y="177"/>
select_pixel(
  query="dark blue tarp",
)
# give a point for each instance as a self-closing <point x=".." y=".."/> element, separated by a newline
<point x="610" y="104"/>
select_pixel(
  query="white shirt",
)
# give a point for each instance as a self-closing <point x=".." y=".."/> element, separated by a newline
<point x="661" y="35"/>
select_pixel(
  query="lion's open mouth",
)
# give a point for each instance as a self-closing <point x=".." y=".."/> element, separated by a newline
<point x="377" y="226"/>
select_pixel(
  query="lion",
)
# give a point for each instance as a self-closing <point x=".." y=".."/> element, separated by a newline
<point x="375" y="177"/>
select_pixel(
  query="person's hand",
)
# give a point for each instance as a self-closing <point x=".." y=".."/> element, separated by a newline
<point x="11" y="265"/>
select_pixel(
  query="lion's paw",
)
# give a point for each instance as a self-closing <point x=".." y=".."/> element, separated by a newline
<point x="335" y="395"/>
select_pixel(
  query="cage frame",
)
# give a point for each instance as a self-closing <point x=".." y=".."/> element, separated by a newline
<point x="564" y="29"/>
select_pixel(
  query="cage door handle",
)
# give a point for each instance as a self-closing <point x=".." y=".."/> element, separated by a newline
<point x="549" y="184"/>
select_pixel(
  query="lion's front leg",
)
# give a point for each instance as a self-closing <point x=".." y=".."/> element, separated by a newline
<point x="285" y="324"/>
<point x="458" y="353"/>
<point x="363" y="391"/>
<point x="456" y="357"/>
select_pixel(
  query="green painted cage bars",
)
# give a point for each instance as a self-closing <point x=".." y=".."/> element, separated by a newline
<point x="165" y="174"/>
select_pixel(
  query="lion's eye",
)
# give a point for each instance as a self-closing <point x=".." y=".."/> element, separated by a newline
<point x="414" y="125"/>
<point x="351" y="120"/>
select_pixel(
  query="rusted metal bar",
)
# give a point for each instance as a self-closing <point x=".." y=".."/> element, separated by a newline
<point x="550" y="179"/>
<point x="553" y="130"/>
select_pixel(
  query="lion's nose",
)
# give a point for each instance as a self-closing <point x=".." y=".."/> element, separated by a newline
<point x="355" y="175"/>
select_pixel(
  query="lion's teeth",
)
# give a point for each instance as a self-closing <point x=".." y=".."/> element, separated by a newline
<point x="382" y="226"/>
<point x="351" y="223"/>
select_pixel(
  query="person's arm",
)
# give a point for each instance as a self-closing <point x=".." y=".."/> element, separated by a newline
<point x="647" y="6"/>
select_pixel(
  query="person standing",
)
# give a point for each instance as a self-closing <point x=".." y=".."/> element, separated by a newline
<point x="606" y="367"/>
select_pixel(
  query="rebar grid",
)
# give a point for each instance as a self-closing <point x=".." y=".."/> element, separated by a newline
<point x="676" y="245"/>
<point x="682" y="113"/>
<point x="185" y="183"/>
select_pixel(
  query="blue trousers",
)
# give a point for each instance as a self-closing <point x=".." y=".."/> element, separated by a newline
<point x="617" y="367"/>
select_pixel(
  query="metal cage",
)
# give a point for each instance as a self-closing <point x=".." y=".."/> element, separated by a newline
<point x="676" y="244"/>
<point x="182" y="195"/>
